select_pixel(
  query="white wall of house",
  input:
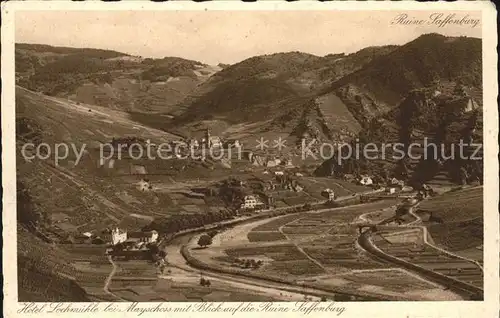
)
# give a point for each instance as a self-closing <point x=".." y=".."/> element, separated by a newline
<point x="118" y="236"/>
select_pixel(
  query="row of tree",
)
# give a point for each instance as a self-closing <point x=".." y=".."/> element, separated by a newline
<point x="179" y="222"/>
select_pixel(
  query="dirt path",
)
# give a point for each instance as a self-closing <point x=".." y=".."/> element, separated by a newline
<point x="110" y="277"/>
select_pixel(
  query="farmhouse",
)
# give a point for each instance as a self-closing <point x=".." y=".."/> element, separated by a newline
<point x="144" y="185"/>
<point x="391" y="190"/>
<point x="329" y="194"/>
<point x="366" y="181"/>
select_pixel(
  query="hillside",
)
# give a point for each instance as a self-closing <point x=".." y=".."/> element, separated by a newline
<point x="60" y="200"/>
<point x="427" y="90"/>
<point x="425" y="117"/>
<point x="455" y="221"/>
<point x="282" y="88"/>
<point x="328" y="97"/>
<point x="384" y="81"/>
<point x="108" y="78"/>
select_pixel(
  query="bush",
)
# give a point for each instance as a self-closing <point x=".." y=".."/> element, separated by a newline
<point x="204" y="240"/>
<point x="204" y="282"/>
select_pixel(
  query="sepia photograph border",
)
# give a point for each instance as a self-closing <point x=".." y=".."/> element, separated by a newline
<point x="487" y="308"/>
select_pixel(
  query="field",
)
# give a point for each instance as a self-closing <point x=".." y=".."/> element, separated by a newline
<point x="457" y="221"/>
<point x="320" y="248"/>
<point x="172" y="290"/>
<point x="92" y="196"/>
<point x="265" y="236"/>
<point x="456" y="205"/>
<point x="425" y="256"/>
<point x="135" y="268"/>
<point x="315" y="185"/>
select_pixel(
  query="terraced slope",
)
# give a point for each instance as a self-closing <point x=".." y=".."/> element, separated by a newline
<point x="455" y="221"/>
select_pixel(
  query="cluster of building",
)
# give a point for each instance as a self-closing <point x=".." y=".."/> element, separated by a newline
<point x="269" y="161"/>
<point x="133" y="239"/>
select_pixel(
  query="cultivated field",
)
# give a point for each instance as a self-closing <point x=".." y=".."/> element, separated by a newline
<point x="318" y="248"/>
<point x="457" y="221"/>
<point x="413" y="250"/>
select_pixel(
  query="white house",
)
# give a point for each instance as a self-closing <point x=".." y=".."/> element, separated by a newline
<point x="143" y="185"/>
<point x="366" y="181"/>
<point x="391" y="190"/>
<point x="118" y="236"/>
<point x="394" y="181"/>
<point x="328" y="193"/>
<point x="278" y="173"/>
<point x="249" y="202"/>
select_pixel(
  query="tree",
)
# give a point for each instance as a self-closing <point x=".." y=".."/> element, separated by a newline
<point x="162" y="254"/>
<point x="204" y="240"/>
<point x="27" y="212"/>
<point x="204" y="282"/>
<point x="463" y="175"/>
<point x="118" y="247"/>
<point x="97" y="240"/>
<point x="153" y="248"/>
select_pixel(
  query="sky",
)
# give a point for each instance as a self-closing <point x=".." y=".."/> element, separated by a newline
<point x="231" y="36"/>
